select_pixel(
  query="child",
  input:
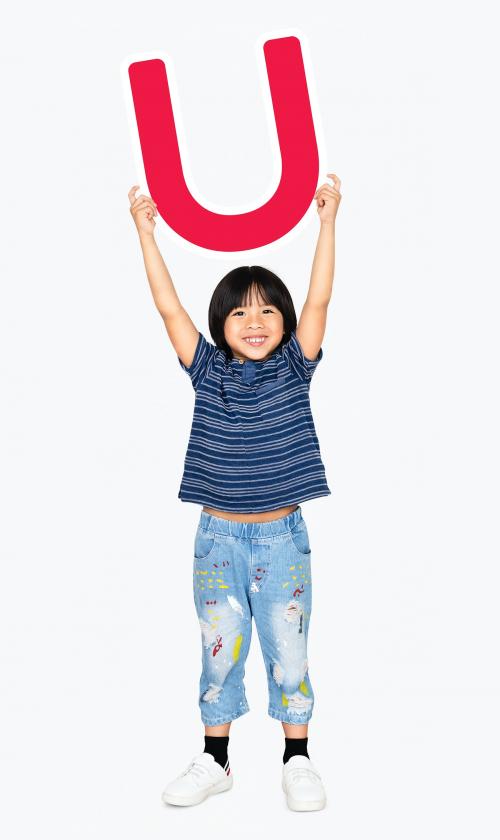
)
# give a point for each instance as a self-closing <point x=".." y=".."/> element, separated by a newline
<point x="252" y="457"/>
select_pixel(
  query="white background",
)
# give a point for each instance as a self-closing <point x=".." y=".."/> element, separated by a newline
<point x="99" y="642"/>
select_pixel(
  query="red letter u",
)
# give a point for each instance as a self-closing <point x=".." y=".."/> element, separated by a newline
<point x="297" y="144"/>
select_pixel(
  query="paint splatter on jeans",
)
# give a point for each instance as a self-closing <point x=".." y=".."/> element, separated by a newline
<point x="261" y="570"/>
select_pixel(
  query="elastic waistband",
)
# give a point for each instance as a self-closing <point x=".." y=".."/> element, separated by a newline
<point x="250" y="529"/>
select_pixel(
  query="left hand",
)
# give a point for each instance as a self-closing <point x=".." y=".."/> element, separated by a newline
<point x="328" y="199"/>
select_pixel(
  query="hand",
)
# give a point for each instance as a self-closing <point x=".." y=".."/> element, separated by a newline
<point x="142" y="209"/>
<point x="328" y="199"/>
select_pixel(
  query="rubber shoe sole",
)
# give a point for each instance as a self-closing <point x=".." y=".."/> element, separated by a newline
<point x="195" y="799"/>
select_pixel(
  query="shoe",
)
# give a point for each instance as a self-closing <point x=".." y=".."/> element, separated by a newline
<point x="202" y="777"/>
<point x="302" y="785"/>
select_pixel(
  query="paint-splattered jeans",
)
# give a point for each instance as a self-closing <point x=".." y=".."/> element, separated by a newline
<point x="259" y="569"/>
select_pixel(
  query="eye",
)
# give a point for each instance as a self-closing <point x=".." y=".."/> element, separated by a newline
<point x="240" y="311"/>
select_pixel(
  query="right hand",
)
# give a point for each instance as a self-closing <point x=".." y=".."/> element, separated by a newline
<point x="143" y="209"/>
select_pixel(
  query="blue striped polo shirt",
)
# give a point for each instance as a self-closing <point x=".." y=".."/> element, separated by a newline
<point x="253" y="446"/>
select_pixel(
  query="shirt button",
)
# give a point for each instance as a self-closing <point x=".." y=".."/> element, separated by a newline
<point x="241" y="361"/>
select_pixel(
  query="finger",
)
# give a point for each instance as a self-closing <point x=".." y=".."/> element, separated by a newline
<point x="142" y="197"/>
<point x="144" y="208"/>
<point x="326" y="184"/>
<point x="323" y="191"/>
<point x="330" y="191"/>
<point x="325" y="198"/>
<point x="142" y="200"/>
<point x="141" y="205"/>
<point x="131" y="193"/>
<point x="144" y="205"/>
<point x="148" y="197"/>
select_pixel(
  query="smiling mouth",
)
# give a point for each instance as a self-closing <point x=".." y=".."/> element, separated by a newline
<point x="255" y="342"/>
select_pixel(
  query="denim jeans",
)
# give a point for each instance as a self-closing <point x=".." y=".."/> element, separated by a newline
<point x="261" y="570"/>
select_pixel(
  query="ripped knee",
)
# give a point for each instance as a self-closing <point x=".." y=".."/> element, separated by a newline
<point x="212" y="694"/>
<point x="291" y="679"/>
<point x="296" y="694"/>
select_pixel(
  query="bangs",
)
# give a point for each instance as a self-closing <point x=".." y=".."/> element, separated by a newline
<point x="255" y="288"/>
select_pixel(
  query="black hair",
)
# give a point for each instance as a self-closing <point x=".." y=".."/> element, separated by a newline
<point x="235" y="289"/>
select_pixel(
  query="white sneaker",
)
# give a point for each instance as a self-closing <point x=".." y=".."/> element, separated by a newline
<point x="302" y="785"/>
<point x="201" y="777"/>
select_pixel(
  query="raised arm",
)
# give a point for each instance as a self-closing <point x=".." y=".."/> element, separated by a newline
<point x="181" y="331"/>
<point x="312" y="322"/>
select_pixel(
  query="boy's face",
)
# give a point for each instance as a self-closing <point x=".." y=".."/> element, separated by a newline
<point x="257" y="320"/>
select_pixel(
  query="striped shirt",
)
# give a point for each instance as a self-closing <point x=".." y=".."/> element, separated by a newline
<point x="253" y="446"/>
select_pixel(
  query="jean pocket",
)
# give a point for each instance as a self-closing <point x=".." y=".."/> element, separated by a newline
<point x="204" y="544"/>
<point x="300" y="539"/>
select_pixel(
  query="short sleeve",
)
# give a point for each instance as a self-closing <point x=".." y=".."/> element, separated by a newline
<point x="293" y="353"/>
<point x="203" y="356"/>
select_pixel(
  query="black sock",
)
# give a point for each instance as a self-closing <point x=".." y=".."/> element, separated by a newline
<point x="295" y="746"/>
<point x="216" y="745"/>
